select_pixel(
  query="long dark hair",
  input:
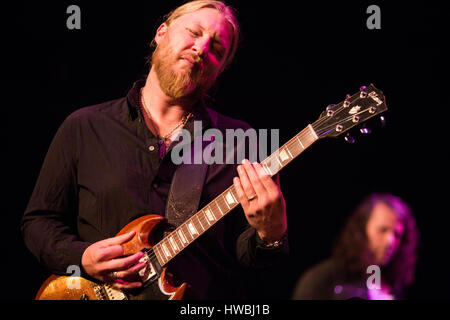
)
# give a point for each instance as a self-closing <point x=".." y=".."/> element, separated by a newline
<point x="352" y="246"/>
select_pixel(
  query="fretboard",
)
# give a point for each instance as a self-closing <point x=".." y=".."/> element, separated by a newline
<point x="204" y="219"/>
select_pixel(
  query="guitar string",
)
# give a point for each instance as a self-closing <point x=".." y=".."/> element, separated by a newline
<point x="289" y="145"/>
<point x="220" y="201"/>
<point x="324" y="129"/>
<point x="223" y="207"/>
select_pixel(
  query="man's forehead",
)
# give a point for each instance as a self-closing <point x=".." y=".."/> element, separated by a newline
<point x="208" y="19"/>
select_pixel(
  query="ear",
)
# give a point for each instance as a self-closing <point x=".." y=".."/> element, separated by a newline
<point x="161" y="32"/>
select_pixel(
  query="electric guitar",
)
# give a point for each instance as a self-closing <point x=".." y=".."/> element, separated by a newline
<point x="333" y="122"/>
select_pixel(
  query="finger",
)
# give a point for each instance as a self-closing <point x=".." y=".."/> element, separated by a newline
<point x="254" y="178"/>
<point x="121" y="264"/>
<point x="269" y="184"/>
<point x="124" y="285"/>
<point x="246" y="184"/>
<point x="110" y="252"/>
<point x="243" y="199"/>
<point x="119" y="239"/>
<point x="131" y="273"/>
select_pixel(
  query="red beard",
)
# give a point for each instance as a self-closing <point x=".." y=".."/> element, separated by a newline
<point x="187" y="83"/>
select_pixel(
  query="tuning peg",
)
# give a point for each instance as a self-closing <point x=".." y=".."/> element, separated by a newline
<point x="330" y="109"/>
<point x="362" y="94"/>
<point x="349" y="139"/>
<point x="346" y="101"/>
<point x="365" y="129"/>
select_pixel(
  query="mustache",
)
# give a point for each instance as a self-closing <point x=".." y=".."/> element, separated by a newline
<point x="196" y="59"/>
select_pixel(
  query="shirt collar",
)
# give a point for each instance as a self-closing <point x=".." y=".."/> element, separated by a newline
<point x="133" y="98"/>
<point x="134" y="105"/>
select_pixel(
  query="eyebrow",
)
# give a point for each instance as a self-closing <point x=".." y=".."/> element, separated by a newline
<point x="217" y="40"/>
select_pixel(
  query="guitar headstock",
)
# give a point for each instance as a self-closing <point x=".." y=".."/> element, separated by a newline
<point x="353" y="111"/>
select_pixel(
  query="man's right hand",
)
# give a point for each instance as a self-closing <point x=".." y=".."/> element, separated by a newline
<point x="104" y="261"/>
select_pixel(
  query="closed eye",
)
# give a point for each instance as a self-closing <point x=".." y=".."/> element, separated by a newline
<point x="193" y="32"/>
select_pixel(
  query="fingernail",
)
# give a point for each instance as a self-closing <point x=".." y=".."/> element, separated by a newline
<point x="262" y="171"/>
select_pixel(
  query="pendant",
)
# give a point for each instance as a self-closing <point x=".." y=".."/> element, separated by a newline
<point x="164" y="145"/>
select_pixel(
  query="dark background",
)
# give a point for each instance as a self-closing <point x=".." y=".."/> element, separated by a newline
<point x="294" y="59"/>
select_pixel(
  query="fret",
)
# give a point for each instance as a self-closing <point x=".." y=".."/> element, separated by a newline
<point x="173" y="244"/>
<point x="178" y="241"/>
<point x="300" y="142"/>
<point x="234" y="194"/>
<point x="165" y="250"/>
<point x="162" y="254"/>
<point x="276" y="165"/>
<point x="224" y="205"/>
<point x="270" y="165"/>
<point x="200" y="222"/>
<point x="172" y="250"/>
<point x="209" y="214"/>
<point x="226" y="201"/>
<point x="186" y="231"/>
<point x="283" y="155"/>
<point x="307" y="141"/>
<point x="182" y="236"/>
<point x="206" y="218"/>
<point x="313" y="133"/>
<point x="220" y="209"/>
<point x="215" y="212"/>
<point x="289" y="151"/>
<point x="230" y="199"/>
<point x="266" y="168"/>
<point x="157" y="252"/>
<point x="278" y="160"/>
<point x="192" y="229"/>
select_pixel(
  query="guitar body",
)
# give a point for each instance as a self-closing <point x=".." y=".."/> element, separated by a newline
<point x="158" y="288"/>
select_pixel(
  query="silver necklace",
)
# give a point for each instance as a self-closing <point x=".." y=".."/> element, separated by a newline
<point x="164" y="142"/>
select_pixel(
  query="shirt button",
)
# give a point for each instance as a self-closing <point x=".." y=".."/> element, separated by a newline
<point x="151" y="148"/>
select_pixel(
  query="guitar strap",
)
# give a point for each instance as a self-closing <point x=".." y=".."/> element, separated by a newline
<point x="187" y="182"/>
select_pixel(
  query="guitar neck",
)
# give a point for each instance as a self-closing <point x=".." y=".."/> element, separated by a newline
<point x="199" y="223"/>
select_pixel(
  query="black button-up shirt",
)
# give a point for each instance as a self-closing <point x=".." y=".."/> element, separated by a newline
<point x="103" y="170"/>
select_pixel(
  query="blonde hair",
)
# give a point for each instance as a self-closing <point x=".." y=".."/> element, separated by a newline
<point x="227" y="11"/>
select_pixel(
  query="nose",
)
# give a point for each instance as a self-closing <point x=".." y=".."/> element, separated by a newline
<point x="201" y="46"/>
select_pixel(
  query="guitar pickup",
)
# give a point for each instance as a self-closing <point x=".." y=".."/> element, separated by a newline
<point x="152" y="269"/>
